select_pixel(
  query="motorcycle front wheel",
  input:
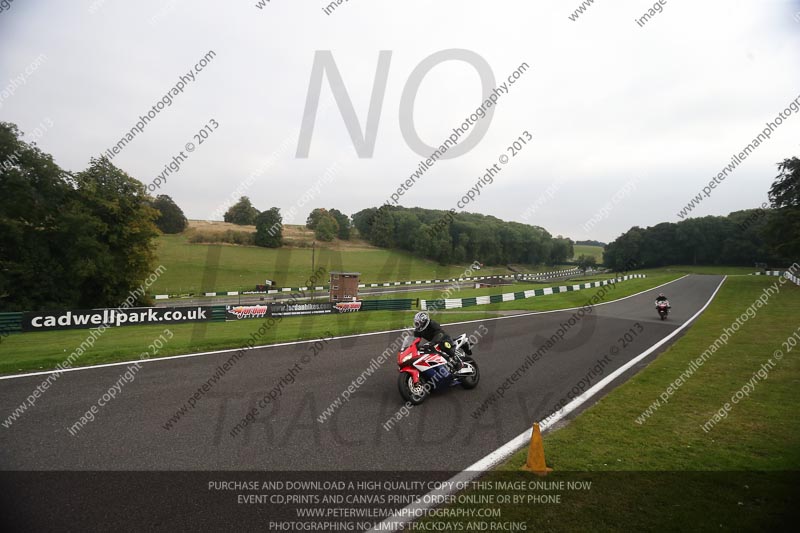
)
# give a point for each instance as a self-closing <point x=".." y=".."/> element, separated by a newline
<point x="414" y="394"/>
<point x="471" y="381"/>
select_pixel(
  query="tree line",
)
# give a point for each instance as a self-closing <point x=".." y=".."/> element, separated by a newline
<point x="82" y="239"/>
<point x="328" y="224"/>
<point x="269" y="223"/>
<point x="767" y="234"/>
<point x="465" y="237"/>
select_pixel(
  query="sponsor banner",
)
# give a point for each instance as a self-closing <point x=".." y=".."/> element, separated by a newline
<point x="300" y="309"/>
<point x="347" y="307"/>
<point x="92" y="318"/>
<point x="237" y="312"/>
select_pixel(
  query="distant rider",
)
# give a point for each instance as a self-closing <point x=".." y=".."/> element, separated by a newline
<point x="662" y="298"/>
<point x="432" y="332"/>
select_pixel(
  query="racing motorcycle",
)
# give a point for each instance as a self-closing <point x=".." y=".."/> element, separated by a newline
<point x="663" y="308"/>
<point x="424" y="368"/>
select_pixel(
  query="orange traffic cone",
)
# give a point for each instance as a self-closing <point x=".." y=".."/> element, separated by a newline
<point x="535" y="462"/>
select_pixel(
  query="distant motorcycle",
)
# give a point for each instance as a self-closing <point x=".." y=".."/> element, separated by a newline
<point x="662" y="306"/>
<point x="423" y="369"/>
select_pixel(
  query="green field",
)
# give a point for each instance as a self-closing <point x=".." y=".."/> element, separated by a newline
<point x="585" y="249"/>
<point x="666" y="472"/>
<point x="213" y="267"/>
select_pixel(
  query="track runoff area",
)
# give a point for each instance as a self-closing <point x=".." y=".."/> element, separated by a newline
<point x="320" y="434"/>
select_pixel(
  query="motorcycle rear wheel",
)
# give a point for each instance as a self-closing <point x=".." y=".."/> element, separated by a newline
<point x="414" y="394"/>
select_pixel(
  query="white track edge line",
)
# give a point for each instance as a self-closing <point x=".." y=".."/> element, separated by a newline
<point x="292" y="343"/>
<point x="508" y="449"/>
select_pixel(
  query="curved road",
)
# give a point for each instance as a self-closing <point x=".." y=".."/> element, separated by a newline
<point x="129" y="433"/>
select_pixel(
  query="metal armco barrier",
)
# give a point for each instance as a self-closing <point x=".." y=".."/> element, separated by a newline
<point x="10" y="323"/>
<point x="387" y="305"/>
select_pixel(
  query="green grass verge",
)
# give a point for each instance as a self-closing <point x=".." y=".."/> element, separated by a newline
<point x="737" y="476"/>
<point x="468" y="290"/>
<point x="652" y="280"/>
<point x="701" y="269"/>
<point x="684" y="269"/>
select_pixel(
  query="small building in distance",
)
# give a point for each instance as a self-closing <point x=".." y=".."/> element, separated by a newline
<point x="344" y="286"/>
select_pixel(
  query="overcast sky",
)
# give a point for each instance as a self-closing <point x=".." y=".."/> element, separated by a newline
<point x="640" y="118"/>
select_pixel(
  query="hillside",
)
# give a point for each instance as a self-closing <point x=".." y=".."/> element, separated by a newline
<point x="585" y="249"/>
<point x="193" y="267"/>
<point x="294" y="236"/>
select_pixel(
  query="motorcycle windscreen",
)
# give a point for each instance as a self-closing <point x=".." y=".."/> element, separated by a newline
<point x="408" y="341"/>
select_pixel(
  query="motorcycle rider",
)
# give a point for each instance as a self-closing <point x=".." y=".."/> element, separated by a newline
<point x="431" y="331"/>
<point x="662" y="298"/>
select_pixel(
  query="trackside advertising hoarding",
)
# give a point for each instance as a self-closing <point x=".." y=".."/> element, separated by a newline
<point x="90" y="318"/>
<point x="238" y="312"/>
<point x="347" y="307"/>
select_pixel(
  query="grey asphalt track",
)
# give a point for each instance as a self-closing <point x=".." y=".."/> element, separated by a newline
<point x="441" y="434"/>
